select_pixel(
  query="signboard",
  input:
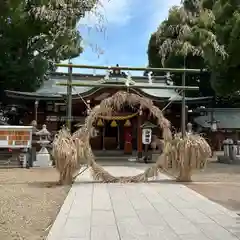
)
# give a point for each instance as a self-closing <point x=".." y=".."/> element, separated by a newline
<point x="146" y="135"/>
<point x="64" y="118"/>
<point x="16" y="136"/>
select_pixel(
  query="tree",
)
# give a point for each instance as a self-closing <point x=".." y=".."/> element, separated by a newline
<point x="188" y="31"/>
<point x="185" y="39"/>
<point x="226" y="72"/>
<point x="154" y="59"/>
<point x="34" y="35"/>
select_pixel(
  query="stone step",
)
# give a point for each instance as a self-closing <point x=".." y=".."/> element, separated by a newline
<point x="113" y="158"/>
<point x="8" y="161"/>
<point x="5" y="156"/>
<point x="112" y="153"/>
<point x="9" y="166"/>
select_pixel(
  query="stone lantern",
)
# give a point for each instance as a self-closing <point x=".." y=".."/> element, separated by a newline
<point x="43" y="157"/>
<point x="44" y="135"/>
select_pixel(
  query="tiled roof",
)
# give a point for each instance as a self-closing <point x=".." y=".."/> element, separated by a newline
<point x="50" y="89"/>
<point x="226" y="118"/>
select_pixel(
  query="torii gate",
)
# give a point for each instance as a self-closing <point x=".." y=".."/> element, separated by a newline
<point x="128" y="84"/>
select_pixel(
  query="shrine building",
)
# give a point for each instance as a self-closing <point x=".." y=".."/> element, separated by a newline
<point x="48" y="106"/>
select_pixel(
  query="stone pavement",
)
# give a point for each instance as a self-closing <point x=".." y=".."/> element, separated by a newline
<point x="145" y="211"/>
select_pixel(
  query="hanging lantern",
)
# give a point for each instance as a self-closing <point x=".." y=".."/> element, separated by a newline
<point x="127" y="123"/>
<point x="214" y="126"/>
<point x="113" y="123"/>
<point x="100" y="122"/>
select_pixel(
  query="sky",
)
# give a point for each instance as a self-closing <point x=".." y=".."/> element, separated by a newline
<point x="118" y="32"/>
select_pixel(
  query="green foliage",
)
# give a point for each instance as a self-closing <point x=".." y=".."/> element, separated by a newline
<point x="207" y="35"/>
<point x="188" y="33"/>
<point x="154" y="59"/>
<point x="33" y="35"/>
<point x="178" y="43"/>
<point x="226" y="72"/>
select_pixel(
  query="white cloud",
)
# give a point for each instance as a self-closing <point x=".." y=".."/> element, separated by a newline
<point x="94" y="26"/>
<point x="108" y="12"/>
<point x="118" y="13"/>
<point x="159" y="9"/>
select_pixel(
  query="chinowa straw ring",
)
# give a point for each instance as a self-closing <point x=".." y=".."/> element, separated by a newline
<point x="71" y="152"/>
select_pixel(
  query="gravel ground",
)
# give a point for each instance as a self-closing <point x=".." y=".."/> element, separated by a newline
<point x="29" y="202"/>
<point x="220" y="183"/>
<point x="30" y="199"/>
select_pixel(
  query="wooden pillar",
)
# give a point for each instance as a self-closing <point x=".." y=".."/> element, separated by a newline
<point x="69" y="98"/>
<point x="103" y="136"/>
<point x="139" y="136"/>
<point x="183" y="114"/>
<point x="118" y="135"/>
<point x="186" y="115"/>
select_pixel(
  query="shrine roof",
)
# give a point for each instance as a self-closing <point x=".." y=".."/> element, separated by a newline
<point x="227" y="118"/>
<point x="51" y="91"/>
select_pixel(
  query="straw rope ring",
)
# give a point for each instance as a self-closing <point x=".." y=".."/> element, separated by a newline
<point x="71" y="152"/>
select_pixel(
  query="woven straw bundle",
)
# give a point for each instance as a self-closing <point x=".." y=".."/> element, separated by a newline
<point x="66" y="156"/>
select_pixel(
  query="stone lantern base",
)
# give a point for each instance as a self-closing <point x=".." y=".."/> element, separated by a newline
<point x="43" y="159"/>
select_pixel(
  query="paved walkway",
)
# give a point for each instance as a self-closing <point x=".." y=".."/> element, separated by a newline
<point x="145" y="211"/>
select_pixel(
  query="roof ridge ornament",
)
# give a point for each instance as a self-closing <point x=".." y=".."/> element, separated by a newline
<point x="106" y="77"/>
<point x="129" y="80"/>
<point x="150" y="78"/>
<point x="169" y="80"/>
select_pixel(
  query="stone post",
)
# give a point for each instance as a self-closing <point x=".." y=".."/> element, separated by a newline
<point x="33" y="150"/>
